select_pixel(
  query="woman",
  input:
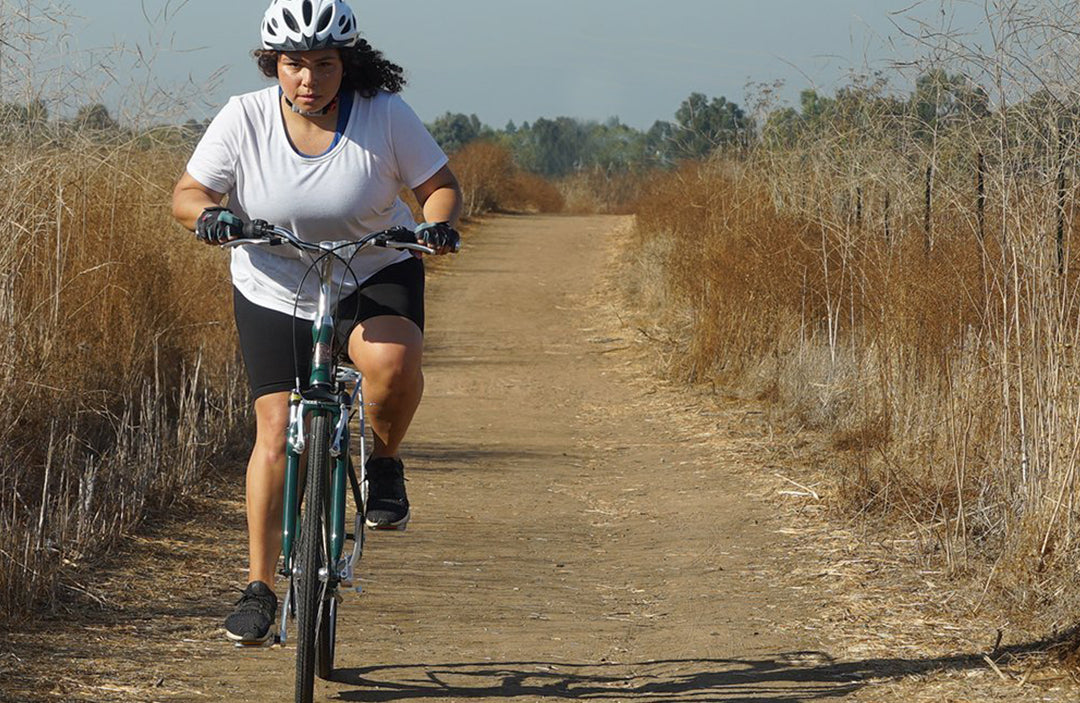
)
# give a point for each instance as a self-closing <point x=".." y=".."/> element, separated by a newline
<point x="325" y="153"/>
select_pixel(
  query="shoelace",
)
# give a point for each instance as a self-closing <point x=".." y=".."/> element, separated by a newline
<point x="389" y="483"/>
<point x="253" y="602"/>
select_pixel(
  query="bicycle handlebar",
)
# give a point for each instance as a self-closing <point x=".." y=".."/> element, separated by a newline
<point x="262" y="232"/>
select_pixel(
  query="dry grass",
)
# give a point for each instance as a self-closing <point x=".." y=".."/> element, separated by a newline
<point x="906" y="280"/>
<point x="946" y="379"/>
<point x="120" y="383"/>
<point x="600" y="192"/>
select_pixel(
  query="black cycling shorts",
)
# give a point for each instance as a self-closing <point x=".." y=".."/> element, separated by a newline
<point x="268" y="338"/>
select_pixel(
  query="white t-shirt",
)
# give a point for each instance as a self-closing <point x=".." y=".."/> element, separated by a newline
<point x="350" y="191"/>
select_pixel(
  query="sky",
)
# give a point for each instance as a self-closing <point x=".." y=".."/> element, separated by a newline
<point x="499" y="59"/>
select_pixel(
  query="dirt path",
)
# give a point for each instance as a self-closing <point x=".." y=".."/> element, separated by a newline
<point x="570" y="539"/>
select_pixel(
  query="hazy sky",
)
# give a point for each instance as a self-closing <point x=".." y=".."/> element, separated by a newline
<point x="513" y="59"/>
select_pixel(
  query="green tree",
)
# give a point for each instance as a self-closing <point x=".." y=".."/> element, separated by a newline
<point x="782" y="127"/>
<point x="703" y="125"/>
<point x="95" y="117"/>
<point x="660" y="148"/>
<point x="615" y="147"/>
<point x="941" y="98"/>
<point x="815" y="108"/>
<point x="453" y="131"/>
<point x="552" y="147"/>
<point x="33" y="114"/>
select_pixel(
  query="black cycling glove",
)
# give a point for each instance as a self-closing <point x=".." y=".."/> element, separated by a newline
<point x="217" y="225"/>
<point x="439" y="235"/>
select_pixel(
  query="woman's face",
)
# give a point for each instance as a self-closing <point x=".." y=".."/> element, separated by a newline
<point x="310" y="79"/>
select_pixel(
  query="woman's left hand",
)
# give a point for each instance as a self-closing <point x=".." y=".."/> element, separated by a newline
<point x="440" y="236"/>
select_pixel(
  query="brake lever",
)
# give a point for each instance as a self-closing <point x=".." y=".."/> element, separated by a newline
<point x="411" y="246"/>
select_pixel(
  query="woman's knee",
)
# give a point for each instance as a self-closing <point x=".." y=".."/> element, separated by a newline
<point x="392" y="367"/>
<point x="271" y="425"/>
<point x="388" y="351"/>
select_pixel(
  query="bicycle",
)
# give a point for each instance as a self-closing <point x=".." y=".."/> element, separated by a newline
<point x="313" y="528"/>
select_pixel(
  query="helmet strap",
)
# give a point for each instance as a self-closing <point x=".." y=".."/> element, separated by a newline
<point x="330" y="107"/>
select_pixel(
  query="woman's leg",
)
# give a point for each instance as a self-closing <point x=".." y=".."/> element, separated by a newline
<point x="388" y="351"/>
<point x="265" y="484"/>
<point x="253" y="614"/>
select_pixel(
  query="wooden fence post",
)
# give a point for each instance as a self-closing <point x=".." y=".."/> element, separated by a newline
<point x="888" y="238"/>
<point x="1061" y="205"/>
<point x="928" y="242"/>
<point x="858" y="208"/>
<point x="980" y="198"/>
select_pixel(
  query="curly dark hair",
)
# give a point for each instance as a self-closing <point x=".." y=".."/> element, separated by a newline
<point x="367" y="71"/>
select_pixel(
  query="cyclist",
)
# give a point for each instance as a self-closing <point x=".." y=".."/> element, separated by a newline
<point x="325" y="153"/>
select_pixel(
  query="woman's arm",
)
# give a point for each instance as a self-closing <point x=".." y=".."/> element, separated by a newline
<point x="440" y="197"/>
<point x="190" y="198"/>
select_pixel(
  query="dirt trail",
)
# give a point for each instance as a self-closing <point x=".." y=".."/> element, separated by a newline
<point x="564" y="544"/>
<point x="569" y="540"/>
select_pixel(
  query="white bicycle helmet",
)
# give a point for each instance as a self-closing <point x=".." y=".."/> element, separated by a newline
<point x="307" y="25"/>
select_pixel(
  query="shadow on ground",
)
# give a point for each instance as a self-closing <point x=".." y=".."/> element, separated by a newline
<point x="788" y="677"/>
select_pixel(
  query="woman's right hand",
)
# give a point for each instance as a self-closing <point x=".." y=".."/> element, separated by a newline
<point x="217" y="225"/>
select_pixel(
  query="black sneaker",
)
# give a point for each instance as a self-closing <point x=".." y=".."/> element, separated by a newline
<point x="254" y="613"/>
<point x="388" y="507"/>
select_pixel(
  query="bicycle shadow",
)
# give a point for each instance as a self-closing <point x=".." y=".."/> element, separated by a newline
<point x="788" y="677"/>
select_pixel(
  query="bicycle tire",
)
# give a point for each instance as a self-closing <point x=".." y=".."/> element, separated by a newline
<point x="324" y="657"/>
<point x="311" y="556"/>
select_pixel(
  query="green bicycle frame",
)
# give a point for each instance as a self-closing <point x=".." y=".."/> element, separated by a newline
<point x="322" y="396"/>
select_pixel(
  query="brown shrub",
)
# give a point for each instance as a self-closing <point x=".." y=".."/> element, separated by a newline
<point x="491" y="182"/>
<point x="530" y="192"/>
<point x="486" y="171"/>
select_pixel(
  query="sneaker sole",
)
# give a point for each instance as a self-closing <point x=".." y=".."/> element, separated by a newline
<point x="241" y="642"/>
<point x="398" y="526"/>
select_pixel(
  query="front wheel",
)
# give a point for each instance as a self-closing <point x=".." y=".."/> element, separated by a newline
<point x="311" y="590"/>
<point x="324" y="661"/>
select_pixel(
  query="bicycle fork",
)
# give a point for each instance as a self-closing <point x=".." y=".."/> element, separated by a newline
<point x="343" y="570"/>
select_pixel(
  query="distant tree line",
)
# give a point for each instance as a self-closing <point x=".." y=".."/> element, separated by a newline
<point x="20" y="122"/>
<point x="940" y="103"/>
<point x="556" y="147"/>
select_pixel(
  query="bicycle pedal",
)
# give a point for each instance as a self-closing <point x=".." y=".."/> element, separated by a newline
<point x="388" y="528"/>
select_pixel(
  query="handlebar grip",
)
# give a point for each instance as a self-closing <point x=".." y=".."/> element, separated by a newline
<point x="257" y="229"/>
<point x="402" y="235"/>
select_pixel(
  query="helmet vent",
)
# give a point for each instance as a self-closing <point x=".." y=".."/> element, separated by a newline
<point x="307" y="12"/>
<point x="342" y="20"/>
<point x="270" y="30"/>
<point x="324" y="19"/>
<point x="290" y="21"/>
